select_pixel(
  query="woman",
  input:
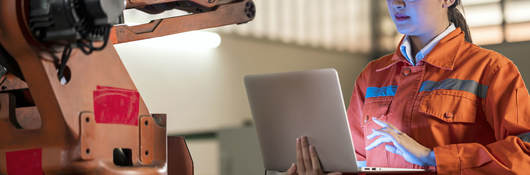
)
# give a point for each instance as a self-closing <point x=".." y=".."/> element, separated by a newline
<point x="437" y="102"/>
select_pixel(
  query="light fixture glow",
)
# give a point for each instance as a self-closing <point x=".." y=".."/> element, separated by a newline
<point x="188" y="41"/>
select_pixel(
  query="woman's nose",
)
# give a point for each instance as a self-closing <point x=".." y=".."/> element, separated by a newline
<point x="398" y="4"/>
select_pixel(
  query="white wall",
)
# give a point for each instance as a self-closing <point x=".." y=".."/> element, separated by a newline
<point x="206" y="156"/>
<point x="204" y="91"/>
<point x="240" y="152"/>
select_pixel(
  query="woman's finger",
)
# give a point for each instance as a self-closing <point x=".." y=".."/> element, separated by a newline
<point x="390" y="133"/>
<point x="386" y="125"/>
<point x="387" y="132"/>
<point x="383" y="132"/>
<point x="314" y="159"/>
<point x="292" y="170"/>
<point x="305" y="154"/>
<point x="377" y="142"/>
<point x="373" y="134"/>
<point x="394" y="128"/>
<point x="392" y="149"/>
<point x="300" y="168"/>
<point x="379" y="122"/>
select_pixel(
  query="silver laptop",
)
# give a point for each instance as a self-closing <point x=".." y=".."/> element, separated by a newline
<point x="307" y="103"/>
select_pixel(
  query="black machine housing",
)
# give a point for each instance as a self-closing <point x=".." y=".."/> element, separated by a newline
<point x="69" y="24"/>
<point x="69" y="21"/>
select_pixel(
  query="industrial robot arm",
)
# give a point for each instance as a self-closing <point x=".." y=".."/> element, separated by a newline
<point x="204" y="14"/>
<point x="67" y="103"/>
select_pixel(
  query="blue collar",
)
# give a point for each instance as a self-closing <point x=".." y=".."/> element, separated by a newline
<point x="406" y="48"/>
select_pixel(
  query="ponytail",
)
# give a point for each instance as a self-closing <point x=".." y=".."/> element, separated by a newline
<point x="456" y="17"/>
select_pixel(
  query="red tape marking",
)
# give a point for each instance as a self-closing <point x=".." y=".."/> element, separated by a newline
<point x="115" y="105"/>
<point x="24" y="162"/>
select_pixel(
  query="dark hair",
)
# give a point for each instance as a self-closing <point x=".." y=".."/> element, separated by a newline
<point x="456" y="17"/>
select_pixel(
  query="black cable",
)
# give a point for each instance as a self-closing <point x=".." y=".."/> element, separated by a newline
<point x="106" y="35"/>
<point x="87" y="47"/>
<point x="64" y="59"/>
<point x="3" y="80"/>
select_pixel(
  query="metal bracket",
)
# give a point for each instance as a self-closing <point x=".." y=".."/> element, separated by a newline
<point x="28" y="118"/>
<point x="153" y="139"/>
<point x="87" y="125"/>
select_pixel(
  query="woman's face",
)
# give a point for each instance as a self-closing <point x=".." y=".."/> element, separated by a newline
<point x="418" y="17"/>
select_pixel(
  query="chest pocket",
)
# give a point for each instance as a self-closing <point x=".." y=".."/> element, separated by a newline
<point x="377" y="107"/>
<point x="450" y="106"/>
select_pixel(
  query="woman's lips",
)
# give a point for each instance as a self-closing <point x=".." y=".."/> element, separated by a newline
<point x="400" y="17"/>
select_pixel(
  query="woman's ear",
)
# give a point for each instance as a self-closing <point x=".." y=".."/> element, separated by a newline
<point x="448" y="3"/>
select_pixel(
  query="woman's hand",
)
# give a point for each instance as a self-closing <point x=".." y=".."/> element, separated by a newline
<point x="307" y="161"/>
<point x="403" y="145"/>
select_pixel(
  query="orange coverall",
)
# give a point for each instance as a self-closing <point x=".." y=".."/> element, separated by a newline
<point x="465" y="102"/>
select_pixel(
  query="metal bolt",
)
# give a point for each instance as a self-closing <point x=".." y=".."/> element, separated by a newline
<point x="250" y="9"/>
